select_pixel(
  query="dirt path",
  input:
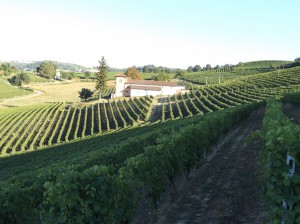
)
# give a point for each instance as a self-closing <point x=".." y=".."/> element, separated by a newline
<point x="156" y="110"/>
<point x="227" y="188"/>
<point x="36" y="93"/>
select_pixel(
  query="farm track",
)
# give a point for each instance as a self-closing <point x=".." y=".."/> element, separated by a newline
<point x="155" y="111"/>
<point x="227" y="188"/>
<point x="36" y="93"/>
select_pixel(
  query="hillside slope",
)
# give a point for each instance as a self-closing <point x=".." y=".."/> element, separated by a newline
<point x="8" y="91"/>
<point x="227" y="188"/>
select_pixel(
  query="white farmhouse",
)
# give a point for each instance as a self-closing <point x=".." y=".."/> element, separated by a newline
<point x="126" y="86"/>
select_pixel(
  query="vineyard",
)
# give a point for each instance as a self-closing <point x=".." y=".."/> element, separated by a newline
<point x="122" y="169"/>
<point x="280" y="159"/>
<point x="221" y="75"/>
<point x="103" y="159"/>
<point x="31" y="127"/>
<point x="241" y="91"/>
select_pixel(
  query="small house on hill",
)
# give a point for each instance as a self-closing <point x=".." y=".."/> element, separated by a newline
<point x="126" y="86"/>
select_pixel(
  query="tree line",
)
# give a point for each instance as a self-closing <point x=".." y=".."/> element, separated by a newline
<point x="7" y="69"/>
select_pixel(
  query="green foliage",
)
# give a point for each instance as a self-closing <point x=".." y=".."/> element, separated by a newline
<point x="8" y="91"/>
<point x="107" y="185"/>
<point x="163" y="76"/>
<point x="197" y="68"/>
<point x="6" y="67"/>
<point x="85" y="94"/>
<point x="190" y="69"/>
<point x="215" y="76"/>
<point x="266" y="64"/>
<point x="19" y="79"/>
<point x="47" y="69"/>
<point x="126" y="158"/>
<point x="101" y="76"/>
<point x="81" y="197"/>
<point x="154" y="69"/>
<point x="208" y="67"/>
<point x="281" y="138"/>
<point x="45" y="124"/>
<point x="87" y="75"/>
<point x="180" y="73"/>
<point x="293" y="98"/>
<point x="37" y="78"/>
<point x="68" y="75"/>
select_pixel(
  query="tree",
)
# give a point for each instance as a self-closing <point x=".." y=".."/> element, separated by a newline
<point x="133" y="73"/>
<point x="85" y="93"/>
<point x="155" y="70"/>
<point x="46" y="69"/>
<point x="13" y="68"/>
<point x="240" y="64"/>
<point x="101" y="76"/>
<point x="180" y="73"/>
<point x="208" y="67"/>
<point x="68" y="75"/>
<point x="217" y="67"/>
<point x="197" y="68"/>
<point x="190" y="69"/>
<point x="145" y="69"/>
<point x="19" y="79"/>
<point x="162" y="76"/>
<point x="226" y="66"/>
<point x="6" y="73"/>
<point x="5" y="67"/>
<point x="87" y="74"/>
<point x="168" y="70"/>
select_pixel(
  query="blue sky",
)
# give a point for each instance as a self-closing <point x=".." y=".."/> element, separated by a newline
<point x="175" y="33"/>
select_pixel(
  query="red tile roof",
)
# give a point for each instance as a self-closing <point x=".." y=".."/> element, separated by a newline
<point x="120" y="75"/>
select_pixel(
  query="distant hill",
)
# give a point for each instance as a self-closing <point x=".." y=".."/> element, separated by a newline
<point x="35" y="64"/>
<point x="32" y="65"/>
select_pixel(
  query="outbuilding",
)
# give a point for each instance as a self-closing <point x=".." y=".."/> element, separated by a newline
<point x="126" y="86"/>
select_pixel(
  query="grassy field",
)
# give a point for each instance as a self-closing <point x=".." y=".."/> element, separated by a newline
<point x="51" y="92"/>
<point x="36" y="78"/>
<point x="7" y="91"/>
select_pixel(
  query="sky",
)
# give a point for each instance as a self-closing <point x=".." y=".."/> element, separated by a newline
<point x="171" y="33"/>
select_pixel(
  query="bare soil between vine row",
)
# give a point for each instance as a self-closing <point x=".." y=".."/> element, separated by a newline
<point x="224" y="190"/>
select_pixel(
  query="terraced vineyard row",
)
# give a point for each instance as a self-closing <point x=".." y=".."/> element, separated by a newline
<point x="34" y="127"/>
<point x="47" y="124"/>
<point x="242" y="91"/>
<point x="108" y="91"/>
<point x="222" y="75"/>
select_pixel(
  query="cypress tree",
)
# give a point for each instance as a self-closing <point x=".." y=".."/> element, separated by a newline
<point x="101" y="76"/>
